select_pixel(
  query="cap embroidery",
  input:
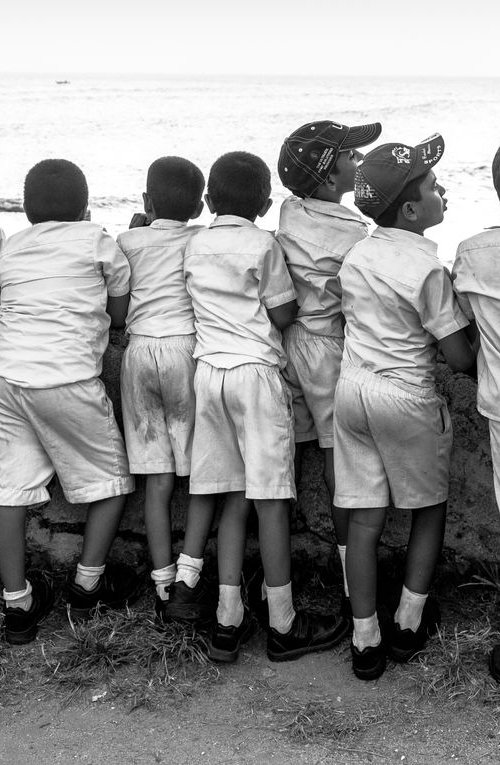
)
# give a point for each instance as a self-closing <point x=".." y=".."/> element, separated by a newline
<point x="366" y="192"/>
<point x="402" y="154"/>
<point x="429" y="159"/>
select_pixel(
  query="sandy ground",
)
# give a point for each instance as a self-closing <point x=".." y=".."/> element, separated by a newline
<point x="249" y="715"/>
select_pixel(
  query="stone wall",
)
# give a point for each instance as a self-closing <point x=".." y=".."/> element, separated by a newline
<point x="473" y="529"/>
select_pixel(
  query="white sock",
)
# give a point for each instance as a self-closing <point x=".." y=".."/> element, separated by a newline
<point x="19" y="598"/>
<point x="281" y="610"/>
<point x="342" y="551"/>
<point x="163" y="578"/>
<point x="88" y="576"/>
<point x="366" y="632"/>
<point x="409" y="613"/>
<point x="188" y="570"/>
<point x="230" y="608"/>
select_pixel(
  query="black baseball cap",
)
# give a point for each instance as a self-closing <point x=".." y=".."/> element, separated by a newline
<point x="309" y="153"/>
<point x="387" y="169"/>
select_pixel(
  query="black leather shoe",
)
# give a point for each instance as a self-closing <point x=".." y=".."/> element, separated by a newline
<point x="369" y="663"/>
<point x="308" y="633"/>
<point x="224" y="643"/>
<point x="494" y="662"/>
<point x="405" y="643"/>
<point x="21" y="626"/>
<point x="117" y="586"/>
<point x="191" y="604"/>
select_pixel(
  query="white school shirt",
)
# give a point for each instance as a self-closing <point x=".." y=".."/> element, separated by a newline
<point x="160" y="305"/>
<point x="476" y="273"/>
<point x="398" y="301"/>
<point x="316" y="236"/>
<point x="234" y="272"/>
<point x="55" y="279"/>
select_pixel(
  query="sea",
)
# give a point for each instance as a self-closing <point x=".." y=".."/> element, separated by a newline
<point x="114" y="126"/>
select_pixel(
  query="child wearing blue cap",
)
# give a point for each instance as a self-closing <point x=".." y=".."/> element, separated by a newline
<point x="317" y="164"/>
<point x="392" y="430"/>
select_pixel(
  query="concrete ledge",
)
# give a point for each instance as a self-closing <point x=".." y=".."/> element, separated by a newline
<point x="473" y="528"/>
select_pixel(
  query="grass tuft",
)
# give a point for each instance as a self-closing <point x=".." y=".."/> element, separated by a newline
<point x="453" y="666"/>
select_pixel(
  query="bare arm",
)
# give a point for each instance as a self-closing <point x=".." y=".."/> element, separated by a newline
<point x="283" y="315"/>
<point x="458" y="351"/>
<point x="117" y="308"/>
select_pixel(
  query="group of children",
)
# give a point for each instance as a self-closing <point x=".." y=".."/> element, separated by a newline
<point x="243" y="346"/>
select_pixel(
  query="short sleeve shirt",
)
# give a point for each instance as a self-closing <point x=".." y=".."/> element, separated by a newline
<point x="316" y="236"/>
<point x="476" y="275"/>
<point x="398" y="301"/>
<point x="160" y="305"/>
<point x="234" y="273"/>
<point x="55" y="279"/>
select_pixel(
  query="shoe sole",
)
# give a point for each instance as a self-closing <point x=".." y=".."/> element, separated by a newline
<point x="296" y="653"/>
<point x="218" y="654"/>
<point x="28" y="635"/>
<point x="188" y="613"/>
<point x="371" y="673"/>
<point x="402" y="655"/>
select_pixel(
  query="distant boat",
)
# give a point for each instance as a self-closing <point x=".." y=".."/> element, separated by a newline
<point x="63" y="82"/>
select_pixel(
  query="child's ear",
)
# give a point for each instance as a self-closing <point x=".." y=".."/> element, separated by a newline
<point x="265" y="208"/>
<point x="408" y="211"/>
<point x="148" y="205"/>
<point x="198" y="210"/>
<point x="209" y="203"/>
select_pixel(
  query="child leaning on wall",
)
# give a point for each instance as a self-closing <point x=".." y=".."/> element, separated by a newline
<point x="243" y="442"/>
<point x="476" y="275"/>
<point x="392" y="430"/>
<point x="63" y="281"/>
<point x="158" y="367"/>
<point x="317" y="164"/>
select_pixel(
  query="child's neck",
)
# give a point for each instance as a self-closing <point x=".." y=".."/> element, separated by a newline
<point x="327" y="195"/>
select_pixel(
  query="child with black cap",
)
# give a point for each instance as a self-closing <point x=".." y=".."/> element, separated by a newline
<point x="392" y="430"/>
<point x="317" y="164"/>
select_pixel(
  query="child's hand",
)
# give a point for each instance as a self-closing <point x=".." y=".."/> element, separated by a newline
<point x="139" y="220"/>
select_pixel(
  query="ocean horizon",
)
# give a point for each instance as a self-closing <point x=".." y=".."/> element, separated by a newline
<point x="113" y="126"/>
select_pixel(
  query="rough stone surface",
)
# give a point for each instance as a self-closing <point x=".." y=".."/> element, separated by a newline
<point x="473" y="528"/>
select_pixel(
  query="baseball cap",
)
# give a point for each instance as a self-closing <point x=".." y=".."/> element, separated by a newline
<point x="387" y="169"/>
<point x="309" y="153"/>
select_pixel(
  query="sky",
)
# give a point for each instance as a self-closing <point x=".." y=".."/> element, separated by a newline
<point x="296" y="37"/>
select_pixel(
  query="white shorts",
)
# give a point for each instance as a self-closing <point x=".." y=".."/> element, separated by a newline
<point x="311" y="373"/>
<point x="243" y="437"/>
<point x="158" y="403"/>
<point x="69" y="430"/>
<point x="389" y="442"/>
<point x="495" y="456"/>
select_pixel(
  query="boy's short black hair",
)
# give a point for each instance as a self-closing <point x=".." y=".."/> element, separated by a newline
<point x="175" y="186"/>
<point x="410" y="193"/>
<point x="55" y="189"/>
<point x="239" y="184"/>
<point x="495" y="171"/>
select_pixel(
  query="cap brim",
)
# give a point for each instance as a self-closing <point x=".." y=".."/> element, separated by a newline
<point x="429" y="152"/>
<point x="361" y="135"/>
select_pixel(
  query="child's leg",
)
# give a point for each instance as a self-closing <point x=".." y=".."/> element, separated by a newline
<point x="159" y="490"/>
<point x="340" y="517"/>
<point x="365" y="529"/>
<point x="231" y="540"/>
<point x="12" y="548"/>
<point x="103" y="519"/>
<point x="424" y="548"/>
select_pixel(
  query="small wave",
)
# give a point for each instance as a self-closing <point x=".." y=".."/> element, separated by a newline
<point x="11" y="205"/>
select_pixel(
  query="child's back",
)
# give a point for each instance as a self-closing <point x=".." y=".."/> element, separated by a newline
<point x="158" y="367"/>
<point x="55" y="279"/>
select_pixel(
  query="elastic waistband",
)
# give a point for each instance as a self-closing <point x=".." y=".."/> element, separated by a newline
<point x="298" y="330"/>
<point x="172" y="341"/>
<point x="382" y="384"/>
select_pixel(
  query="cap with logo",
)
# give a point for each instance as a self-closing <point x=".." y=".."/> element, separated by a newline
<point x="388" y="168"/>
<point x="310" y="153"/>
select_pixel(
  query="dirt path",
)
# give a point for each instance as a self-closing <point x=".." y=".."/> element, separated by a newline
<point x="258" y="712"/>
